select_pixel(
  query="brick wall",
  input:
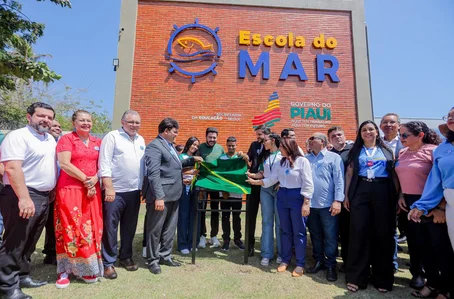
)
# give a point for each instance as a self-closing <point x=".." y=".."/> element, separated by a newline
<point x="157" y="94"/>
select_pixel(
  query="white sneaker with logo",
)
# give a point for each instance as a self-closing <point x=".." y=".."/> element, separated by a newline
<point x="185" y="251"/>
<point x="215" y="242"/>
<point x="202" y="242"/>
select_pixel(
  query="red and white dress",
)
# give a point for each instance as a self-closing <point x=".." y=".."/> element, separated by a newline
<point x="78" y="219"/>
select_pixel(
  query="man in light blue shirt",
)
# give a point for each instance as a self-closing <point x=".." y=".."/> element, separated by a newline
<point x="327" y="174"/>
<point x="121" y="168"/>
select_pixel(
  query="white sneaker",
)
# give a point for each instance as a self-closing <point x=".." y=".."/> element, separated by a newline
<point x="185" y="251"/>
<point x="278" y="260"/>
<point x="202" y="242"/>
<point x="144" y="252"/>
<point x="215" y="242"/>
<point x="265" y="262"/>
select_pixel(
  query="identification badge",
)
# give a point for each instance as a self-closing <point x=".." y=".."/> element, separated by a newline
<point x="371" y="174"/>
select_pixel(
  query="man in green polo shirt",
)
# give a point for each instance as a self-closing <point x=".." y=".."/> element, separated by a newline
<point x="211" y="151"/>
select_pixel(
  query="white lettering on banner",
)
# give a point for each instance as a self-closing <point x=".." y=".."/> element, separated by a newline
<point x="219" y="116"/>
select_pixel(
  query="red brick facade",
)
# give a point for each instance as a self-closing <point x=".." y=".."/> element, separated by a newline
<point x="157" y="94"/>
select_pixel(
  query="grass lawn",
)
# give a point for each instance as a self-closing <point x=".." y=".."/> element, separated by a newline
<point x="216" y="274"/>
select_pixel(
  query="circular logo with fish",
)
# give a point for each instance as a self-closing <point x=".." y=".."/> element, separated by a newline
<point x="194" y="50"/>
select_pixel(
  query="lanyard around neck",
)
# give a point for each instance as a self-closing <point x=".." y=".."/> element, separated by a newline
<point x="372" y="153"/>
<point x="272" y="163"/>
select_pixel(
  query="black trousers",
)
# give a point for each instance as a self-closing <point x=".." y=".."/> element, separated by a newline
<point x="227" y="204"/>
<point x="344" y="233"/>
<point x="252" y="202"/>
<point x="214" y="219"/>
<point x="49" y="241"/>
<point x="430" y="248"/>
<point x="372" y="225"/>
<point x="21" y="236"/>
<point x="124" y="210"/>
<point x="161" y="228"/>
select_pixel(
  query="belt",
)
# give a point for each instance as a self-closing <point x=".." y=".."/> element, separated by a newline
<point x="375" y="180"/>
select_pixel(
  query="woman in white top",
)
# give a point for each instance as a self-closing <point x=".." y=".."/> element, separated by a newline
<point x="268" y="198"/>
<point x="293" y="204"/>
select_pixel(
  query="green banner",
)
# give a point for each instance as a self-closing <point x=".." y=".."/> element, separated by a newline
<point x="224" y="175"/>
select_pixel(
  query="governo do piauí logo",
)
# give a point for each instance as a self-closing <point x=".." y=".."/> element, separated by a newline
<point x="194" y="50"/>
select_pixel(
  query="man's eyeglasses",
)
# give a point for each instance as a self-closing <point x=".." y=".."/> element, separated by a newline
<point x="447" y="117"/>
<point x="405" y="135"/>
<point x="314" y="137"/>
<point x="131" y="122"/>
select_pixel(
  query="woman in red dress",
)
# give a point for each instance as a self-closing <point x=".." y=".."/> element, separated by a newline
<point x="78" y="212"/>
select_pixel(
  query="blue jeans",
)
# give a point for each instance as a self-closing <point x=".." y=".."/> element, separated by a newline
<point x="293" y="225"/>
<point x="324" y="231"/>
<point x="269" y="217"/>
<point x="186" y="220"/>
<point x="395" y="264"/>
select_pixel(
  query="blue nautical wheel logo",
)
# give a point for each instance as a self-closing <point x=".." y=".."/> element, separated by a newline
<point x="194" y="50"/>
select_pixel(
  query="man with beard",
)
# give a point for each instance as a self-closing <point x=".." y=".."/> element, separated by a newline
<point x="30" y="175"/>
<point x="255" y="153"/>
<point x="336" y="136"/>
<point x="49" y="243"/>
<point x="211" y="151"/>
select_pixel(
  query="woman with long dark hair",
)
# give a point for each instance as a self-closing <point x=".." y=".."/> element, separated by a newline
<point x="293" y="204"/>
<point x="186" y="215"/>
<point x="267" y="178"/>
<point x="371" y="198"/>
<point x="428" y="241"/>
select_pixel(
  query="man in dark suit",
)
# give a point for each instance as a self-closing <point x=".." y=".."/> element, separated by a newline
<point x="165" y="181"/>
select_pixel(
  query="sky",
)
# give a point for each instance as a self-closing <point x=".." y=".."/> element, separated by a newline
<point x="410" y="47"/>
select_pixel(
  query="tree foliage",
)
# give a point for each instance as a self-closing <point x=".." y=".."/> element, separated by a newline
<point x="16" y="31"/>
<point x="13" y="105"/>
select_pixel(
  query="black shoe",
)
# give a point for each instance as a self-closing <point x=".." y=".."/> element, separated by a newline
<point x="226" y="245"/>
<point x="315" y="268"/>
<point x="16" y="294"/>
<point x="417" y="282"/>
<point x="169" y="262"/>
<point x="50" y="259"/>
<point x="251" y="252"/>
<point x="239" y="244"/>
<point x="129" y="264"/>
<point x="331" y="274"/>
<point x="30" y="283"/>
<point x="155" y="268"/>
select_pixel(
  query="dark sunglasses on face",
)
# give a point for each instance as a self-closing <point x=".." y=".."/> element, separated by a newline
<point x="405" y="135"/>
<point x="314" y="137"/>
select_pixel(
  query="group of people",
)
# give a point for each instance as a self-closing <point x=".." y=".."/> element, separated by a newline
<point x="82" y="188"/>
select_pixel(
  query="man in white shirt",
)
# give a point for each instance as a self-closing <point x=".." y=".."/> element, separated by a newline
<point x="121" y="169"/>
<point x="390" y="124"/>
<point x="28" y="155"/>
